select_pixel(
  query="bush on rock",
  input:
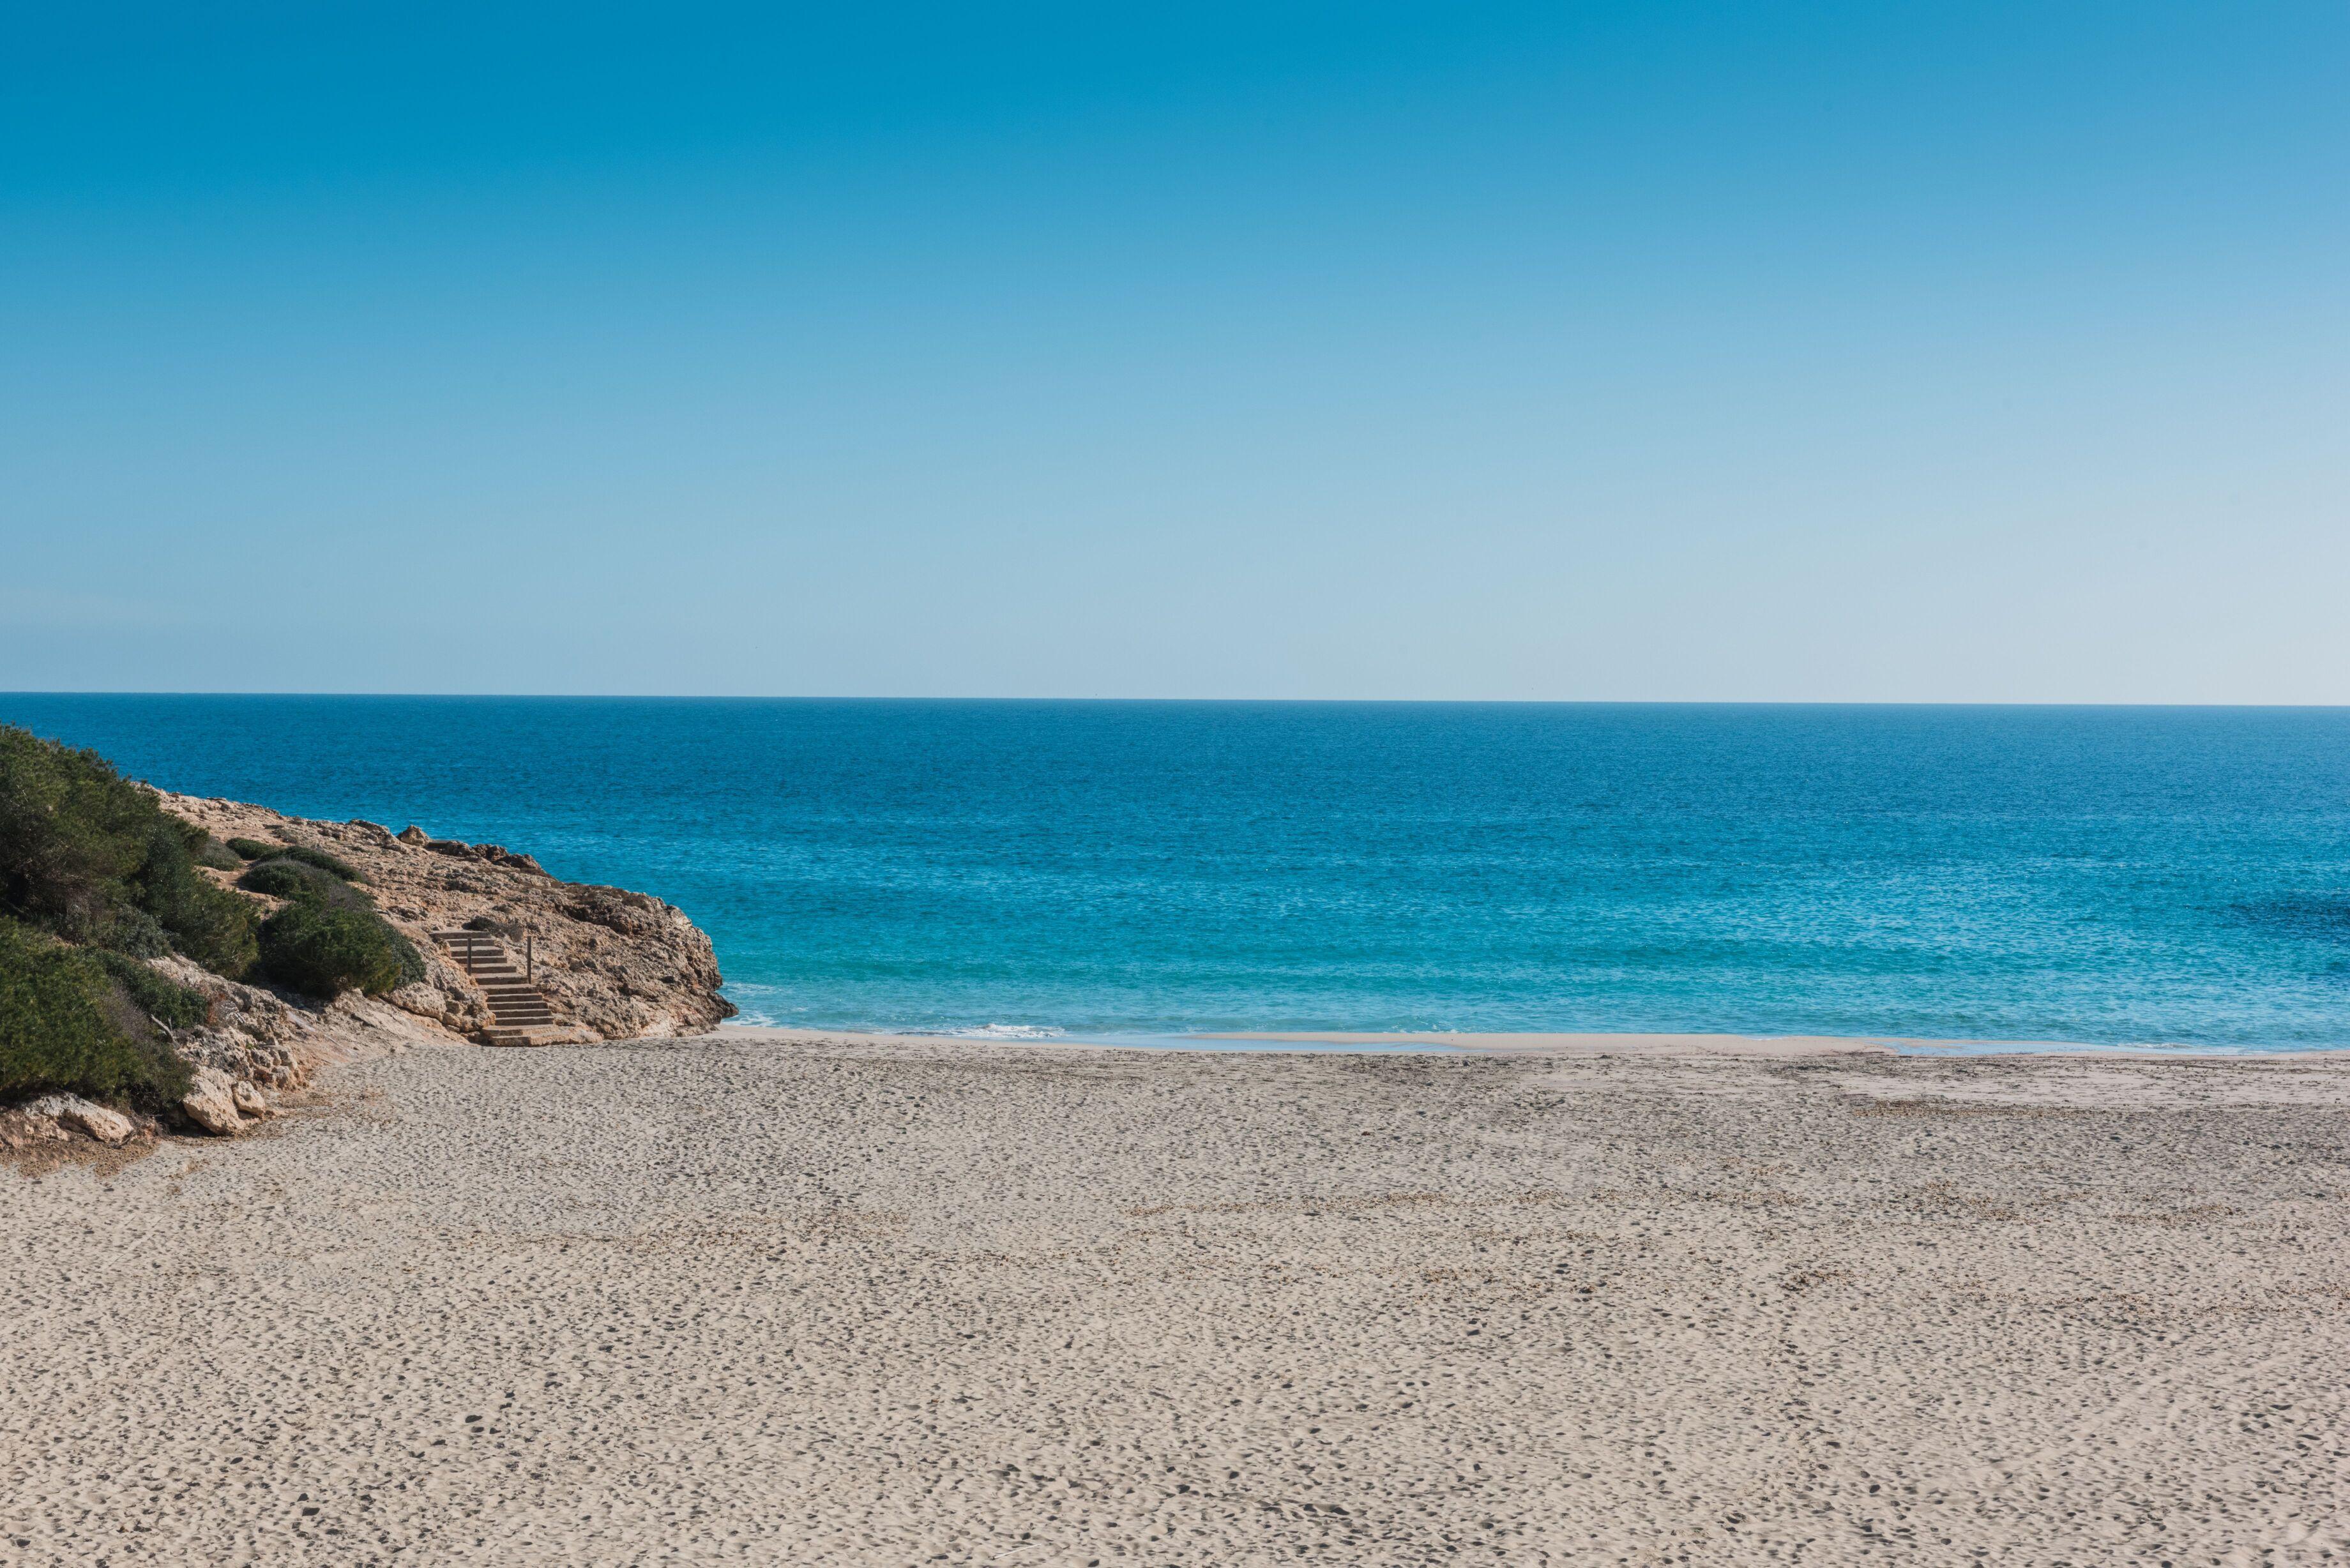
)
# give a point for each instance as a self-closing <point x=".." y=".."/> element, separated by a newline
<point x="90" y="856"/>
<point x="211" y="852"/>
<point x="324" y="948"/>
<point x="167" y="1001"/>
<point x="289" y="878"/>
<point x="68" y="1026"/>
<point x="322" y="860"/>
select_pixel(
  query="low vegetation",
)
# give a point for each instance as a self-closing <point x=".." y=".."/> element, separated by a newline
<point x="328" y="937"/>
<point x="218" y="856"/>
<point x="70" y="1026"/>
<point x="325" y="948"/>
<point x="261" y="849"/>
<point x="285" y="878"/>
<point x="168" y="1003"/>
<point x="89" y="856"/>
<point x="96" y="877"/>
<point x="322" y="860"/>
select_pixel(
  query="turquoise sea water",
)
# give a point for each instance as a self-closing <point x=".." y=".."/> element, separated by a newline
<point x="2093" y="875"/>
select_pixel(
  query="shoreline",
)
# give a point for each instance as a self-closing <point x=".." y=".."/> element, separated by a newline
<point x="1573" y="1044"/>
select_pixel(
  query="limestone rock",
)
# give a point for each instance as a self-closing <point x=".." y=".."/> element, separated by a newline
<point x="457" y="1007"/>
<point x="23" y="1128"/>
<point x="248" y="1100"/>
<point x="422" y="999"/>
<point x="612" y="964"/>
<point x="245" y="1009"/>
<point x="236" y="1054"/>
<point x="105" y="1126"/>
<point x="210" y="1103"/>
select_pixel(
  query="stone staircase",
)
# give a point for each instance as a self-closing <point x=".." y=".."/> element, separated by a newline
<point x="519" y="1014"/>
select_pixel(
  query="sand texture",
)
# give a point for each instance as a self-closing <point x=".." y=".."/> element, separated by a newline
<point x="879" y="1302"/>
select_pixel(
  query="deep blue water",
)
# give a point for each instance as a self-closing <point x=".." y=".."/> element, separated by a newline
<point x="2096" y="875"/>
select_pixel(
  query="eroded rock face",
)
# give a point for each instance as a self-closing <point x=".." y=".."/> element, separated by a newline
<point x="21" y="1129"/>
<point x="210" y="1103"/>
<point x="253" y="1035"/>
<point x="72" y="1110"/>
<point x="612" y="964"/>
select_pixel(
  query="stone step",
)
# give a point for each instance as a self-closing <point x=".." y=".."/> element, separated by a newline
<point x="518" y="1007"/>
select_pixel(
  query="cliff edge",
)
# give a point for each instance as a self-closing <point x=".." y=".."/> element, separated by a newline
<point x="612" y="964"/>
<point x="170" y="962"/>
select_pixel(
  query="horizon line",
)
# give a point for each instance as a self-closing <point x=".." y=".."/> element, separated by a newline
<point x="1200" y="701"/>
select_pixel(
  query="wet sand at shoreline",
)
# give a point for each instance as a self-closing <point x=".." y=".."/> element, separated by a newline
<point x="837" y="1300"/>
<point x="1581" y="1043"/>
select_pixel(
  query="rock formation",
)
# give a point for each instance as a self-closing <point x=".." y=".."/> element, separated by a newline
<point x="73" y="1111"/>
<point x="611" y="965"/>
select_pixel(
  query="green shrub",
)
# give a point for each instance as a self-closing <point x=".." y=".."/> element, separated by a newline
<point x="323" y="861"/>
<point x="67" y="1026"/>
<point x="157" y="996"/>
<point x="72" y="835"/>
<point x="323" y="957"/>
<point x="280" y="879"/>
<point x="323" y="949"/>
<point x="139" y="934"/>
<point x="411" y="962"/>
<point x="288" y="879"/>
<point x="92" y="856"/>
<point x="208" y="923"/>
<point x="255" y="849"/>
<point x="211" y="852"/>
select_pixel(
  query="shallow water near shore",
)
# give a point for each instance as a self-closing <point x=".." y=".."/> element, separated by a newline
<point x="1077" y="870"/>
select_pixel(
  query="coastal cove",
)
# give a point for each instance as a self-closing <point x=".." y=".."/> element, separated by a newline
<point x="1034" y="869"/>
<point x="1182" y="786"/>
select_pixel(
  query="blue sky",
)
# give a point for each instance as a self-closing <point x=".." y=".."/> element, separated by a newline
<point x="1672" y="351"/>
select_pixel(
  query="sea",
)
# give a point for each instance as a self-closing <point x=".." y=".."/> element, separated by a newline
<point x="1109" y="870"/>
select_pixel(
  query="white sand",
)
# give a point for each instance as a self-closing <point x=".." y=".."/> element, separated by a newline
<point x="905" y="1301"/>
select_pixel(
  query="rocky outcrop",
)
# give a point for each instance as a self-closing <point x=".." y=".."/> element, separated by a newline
<point x="73" y="1111"/>
<point x="21" y="1129"/>
<point x="612" y="964"/>
<point x="211" y="1102"/>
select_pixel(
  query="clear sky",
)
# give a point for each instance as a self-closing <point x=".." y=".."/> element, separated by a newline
<point x="1869" y="351"/>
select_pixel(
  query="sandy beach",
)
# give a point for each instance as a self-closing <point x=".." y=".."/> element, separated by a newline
<point x="833" y="1300"/>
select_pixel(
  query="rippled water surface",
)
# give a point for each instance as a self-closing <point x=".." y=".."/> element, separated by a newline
<point x="2103" y="874"/>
